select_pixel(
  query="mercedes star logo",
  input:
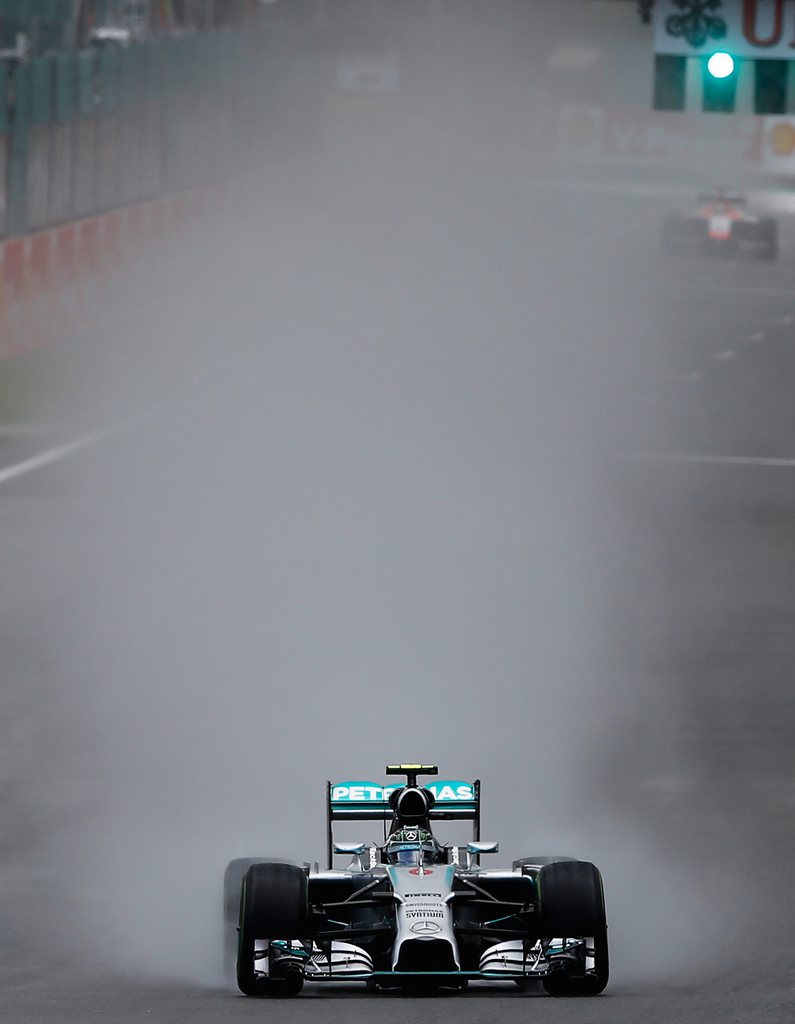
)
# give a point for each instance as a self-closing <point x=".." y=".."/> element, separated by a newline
<point x="426" y="928"/>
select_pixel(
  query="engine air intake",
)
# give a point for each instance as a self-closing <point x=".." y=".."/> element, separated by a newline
<point x="412" y="804"/>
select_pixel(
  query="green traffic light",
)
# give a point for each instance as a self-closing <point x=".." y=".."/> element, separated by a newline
<point x="720" y="84"/>
<point x="721" y="65"/>
<point x="720" y="73"/>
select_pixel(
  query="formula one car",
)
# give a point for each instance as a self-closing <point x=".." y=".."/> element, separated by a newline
<point x="412" y="912"/>
<point x="720" y="223"/>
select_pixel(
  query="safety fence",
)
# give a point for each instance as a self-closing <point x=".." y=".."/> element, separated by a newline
<point x="48" y="20"/>
<point x="103" y="152"/>
<point x="82" y="132"/>
<point x="60" y="24"/>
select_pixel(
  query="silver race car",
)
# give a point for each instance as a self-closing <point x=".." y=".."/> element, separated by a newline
<point x="721" y="223"/>
<point x="410" y="911"/>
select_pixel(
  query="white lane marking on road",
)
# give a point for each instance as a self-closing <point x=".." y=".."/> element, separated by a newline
<point x="756" y="338"/>
<point x="63" y="451"/>
<point x="725" y="356"/>
<point x="774" y="199"/>
<point x="718" y="460"/>
<point x="46" y="458"/>
<point x="736" y="291"/>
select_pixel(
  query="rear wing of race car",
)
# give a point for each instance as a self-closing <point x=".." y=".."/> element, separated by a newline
<point x="358" y="800"/>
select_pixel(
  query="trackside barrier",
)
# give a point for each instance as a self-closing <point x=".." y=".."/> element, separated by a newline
<point x="104" y="153"/>
<point x="88" y="131"/>
<point x="56" y="282"/>
<point x="4" y="146"/>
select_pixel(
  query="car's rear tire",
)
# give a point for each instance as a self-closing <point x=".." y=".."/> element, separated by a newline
<point x="274" y="904"/>
<point x="573" y="906"/>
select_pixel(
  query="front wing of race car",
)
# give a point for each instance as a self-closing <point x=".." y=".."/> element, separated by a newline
<point x="504" y="961"/>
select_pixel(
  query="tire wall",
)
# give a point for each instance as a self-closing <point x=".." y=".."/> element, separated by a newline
<point x="100" y="150"/>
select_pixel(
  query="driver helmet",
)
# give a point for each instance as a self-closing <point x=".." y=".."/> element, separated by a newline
<point x="411" y="845"/>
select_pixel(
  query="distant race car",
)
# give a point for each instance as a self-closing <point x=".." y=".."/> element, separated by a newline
<point x="721" y="223"/>
<point x="411" y="912"/>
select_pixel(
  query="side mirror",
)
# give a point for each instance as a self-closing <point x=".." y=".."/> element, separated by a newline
<point x="357" y="852"/>
<point x="476" y="848"/>
<point x="354" y="849"/>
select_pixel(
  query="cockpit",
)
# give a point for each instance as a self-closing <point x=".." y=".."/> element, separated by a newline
<point x="412" y="847"/>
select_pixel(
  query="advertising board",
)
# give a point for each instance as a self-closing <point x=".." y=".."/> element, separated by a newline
<point x="757" y="29"/>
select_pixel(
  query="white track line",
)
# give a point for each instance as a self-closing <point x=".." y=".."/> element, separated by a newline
<point x="718" y="460"/>
<point x="709" y="288"/>
<point x="62" y="451"/>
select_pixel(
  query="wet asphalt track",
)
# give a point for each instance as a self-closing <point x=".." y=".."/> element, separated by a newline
<point x="724" y="386"/>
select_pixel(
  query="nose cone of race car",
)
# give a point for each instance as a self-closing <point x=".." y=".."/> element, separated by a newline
<point x="426" y="954"/>
<point x="425" y="939"/>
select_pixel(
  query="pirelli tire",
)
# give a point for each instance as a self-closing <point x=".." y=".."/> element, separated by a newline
<point x="572" y="904"/>
<point x="274" y="904"/>
<point x="539" y="862"/>
<point x="233" y="883"/>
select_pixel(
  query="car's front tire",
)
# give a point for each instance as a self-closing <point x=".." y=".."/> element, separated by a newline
<point x="539" y="862"/>
<point x="233" y="883"/>
<point x="274" y="904"/>
<point x="573" y="906"/>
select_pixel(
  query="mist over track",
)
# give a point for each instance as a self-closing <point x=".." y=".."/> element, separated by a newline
<point x="440" y="462"/>
<point x="171" y="610"/>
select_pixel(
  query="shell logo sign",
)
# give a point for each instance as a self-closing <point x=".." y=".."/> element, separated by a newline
<point x="778" y="153"/>
<point x="782" y="138"/>
<point x="580" y="130"/>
